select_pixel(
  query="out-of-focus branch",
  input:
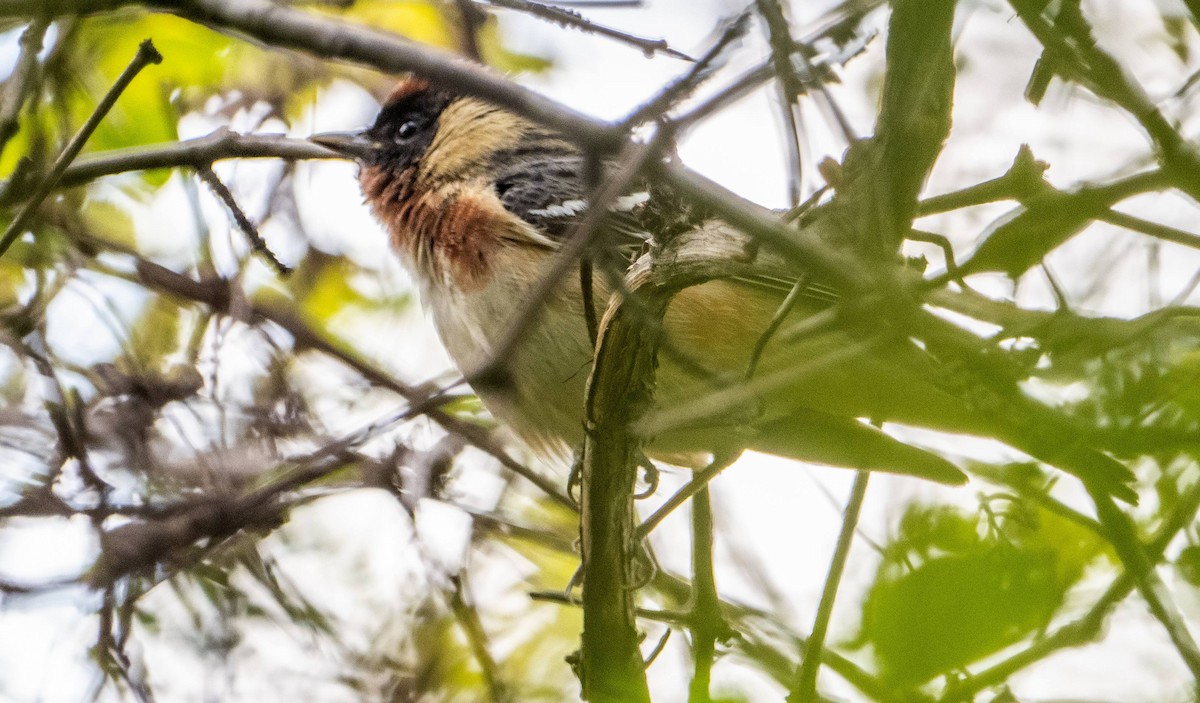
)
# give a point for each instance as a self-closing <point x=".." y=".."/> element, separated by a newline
<point x="468" y="619"/>
<point x="1087" y="627"/>
<point x="140" y="544"/>
<point x="880" y="193"/>
<point x="1072" y="51"/>
<point x="1140" y="565"/>
<point x="470" y="21"/>
<point x="804" y="689"/>
<point x="216" y="294"/>
<point x="16" y="89"/>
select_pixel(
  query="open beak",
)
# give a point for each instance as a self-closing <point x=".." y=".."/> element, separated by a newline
<point x="352" y="145"/>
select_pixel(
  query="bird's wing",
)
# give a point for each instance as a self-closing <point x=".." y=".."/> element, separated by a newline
<point x="830" y="378"/>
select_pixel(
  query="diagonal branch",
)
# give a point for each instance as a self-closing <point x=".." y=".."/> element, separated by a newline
<point x="145" y="56"/>
<point x="805" y="686"/>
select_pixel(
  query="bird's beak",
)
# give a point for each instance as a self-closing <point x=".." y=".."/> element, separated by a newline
<point x="352" y="145"/>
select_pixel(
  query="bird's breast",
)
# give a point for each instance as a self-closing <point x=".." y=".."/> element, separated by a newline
<point x="446" y="233"/>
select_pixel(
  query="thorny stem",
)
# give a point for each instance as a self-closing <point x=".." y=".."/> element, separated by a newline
<point x="570" y="18"/>
<point x="259" y="246"/>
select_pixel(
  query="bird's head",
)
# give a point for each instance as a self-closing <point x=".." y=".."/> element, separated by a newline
<point x="452" y="178"/>
<point x="430" y="134"/>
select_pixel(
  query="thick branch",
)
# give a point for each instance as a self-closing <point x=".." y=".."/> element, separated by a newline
<point x="913" y="123"/>
<point x="620" y="389"/>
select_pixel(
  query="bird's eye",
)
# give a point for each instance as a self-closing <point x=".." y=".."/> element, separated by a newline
<point x="407" y="130"/>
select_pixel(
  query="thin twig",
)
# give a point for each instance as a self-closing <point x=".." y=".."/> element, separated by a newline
<point x="681" y="87"/>
<point x="574" y="20"/>
<point x="145" y="56"/>
<point x="1151" y="229"/>
<point x="197" y="153"/>
<point x="257" y="243"/>
<point x="805" y="688"/>
<point x="468" y="619"/>
<point x="781" y="313"/>
<point x="790" y="88"/>
<point x="698" y="483"/>
<point x="737" y="89"/>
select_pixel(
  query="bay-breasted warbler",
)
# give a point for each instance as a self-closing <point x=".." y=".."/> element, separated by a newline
<point x="477" y="201"/>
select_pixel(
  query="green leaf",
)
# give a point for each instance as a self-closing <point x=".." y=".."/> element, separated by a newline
<point x="420" y="21"/>
<point x="945" y="596"/>
<point x="1188" y="564"/>
<point x="106" y="221"/>
<point x="1182" y="384"/>
<point x="156" y="335"/>
<point x="1019" y="240"/>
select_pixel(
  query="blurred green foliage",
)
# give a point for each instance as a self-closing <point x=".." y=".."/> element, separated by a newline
<point x="955" y="586"/>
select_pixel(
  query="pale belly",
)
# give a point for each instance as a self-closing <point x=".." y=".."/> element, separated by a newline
<point x="543" y="403"/>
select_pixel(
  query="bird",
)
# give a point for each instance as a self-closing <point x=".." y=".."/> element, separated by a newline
<point x="477" y="201"/>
